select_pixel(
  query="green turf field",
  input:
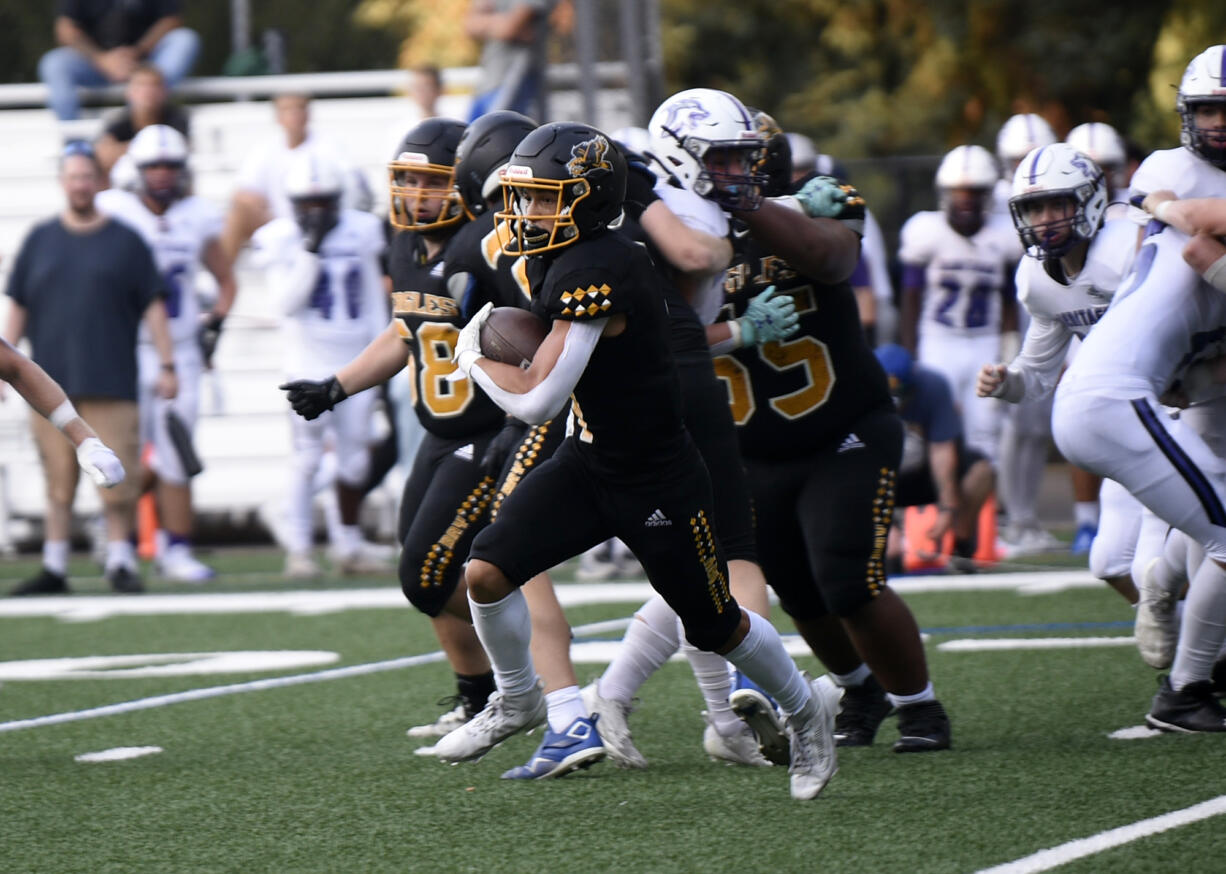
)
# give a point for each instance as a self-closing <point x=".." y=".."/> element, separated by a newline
<point x="319" y="776"/>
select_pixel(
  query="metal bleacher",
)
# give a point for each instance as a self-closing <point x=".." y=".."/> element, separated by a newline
<point x="243" y="435"/>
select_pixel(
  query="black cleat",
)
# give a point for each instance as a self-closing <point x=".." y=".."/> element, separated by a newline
<point x="1219" y="677"/>
<point x="864" y="707"/>
<point x="46" y="583"/>
<point x="1190" y="710"/>
<point x="922" y="728"/>
<point x="124" y="579"/>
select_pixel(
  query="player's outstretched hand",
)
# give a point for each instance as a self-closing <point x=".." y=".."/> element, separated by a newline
<point x="97" y="460"/>
<point x="991" y="378"/>
<point x="822" y="197"/>
<point x="501" y="447"/>
<point x="769" y="319"/>
<point x="468" y="344"/>
<point x="312" y="399"/>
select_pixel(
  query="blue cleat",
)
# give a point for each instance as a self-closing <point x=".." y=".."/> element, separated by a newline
<point x="577" y="747"/>
<point x="1083" y="539"/>
<point x="760" y="712"/>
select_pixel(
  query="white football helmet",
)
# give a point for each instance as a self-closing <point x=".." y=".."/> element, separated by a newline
<point x="1057" y="172"/>
<point x="688" y="125"/>
<point x="1204" y="81"/>
<point x="971" y="172"/>
<point x="1018" y="136"/>
<point x="309" y="174"/>
<point x="1105" y="146"/>
<point x="160" y="146"/>
<point x="633" y="139"/>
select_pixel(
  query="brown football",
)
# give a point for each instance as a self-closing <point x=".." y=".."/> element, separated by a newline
<point x="512" y="336"/>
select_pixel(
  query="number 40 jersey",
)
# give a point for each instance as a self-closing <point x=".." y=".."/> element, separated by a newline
<point x="177" y="239"/>
<point x="963" y="277"/>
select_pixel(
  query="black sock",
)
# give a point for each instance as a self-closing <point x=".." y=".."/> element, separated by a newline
<point x="475" y="690"/>
<point x="965" y="547"/>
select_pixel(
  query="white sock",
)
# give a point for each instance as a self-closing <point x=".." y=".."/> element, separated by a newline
<point x="762" y="658"/>
<point x="505" y="630"/>
<point x="119" y="553"/>
<point x="650" y="641"/>
<point x="351" y="538"/>
<point x="711" y="673"/>
<point x="926" y="694"/>
<point x="565" y="706"/>
<point x="855" y="678"/>
<point x="1085" y="513"/>
<point x="1168" y="573"/>
<point x="55" y="556"/>
<point x="1203" y="628"/>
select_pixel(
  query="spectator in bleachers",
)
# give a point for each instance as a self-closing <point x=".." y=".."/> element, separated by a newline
<point x="104" y="41"/>
<point x="147" y="103"/>
<point x="80" y="287"/>
<point x="259" y="194"/>
<point x="937" y="466"/>
<point x="424" y="89"/>
<point x="514" y="34"/>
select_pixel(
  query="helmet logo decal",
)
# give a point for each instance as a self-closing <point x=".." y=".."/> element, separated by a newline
<point x="689" y="109"/>
<point x="589" y="155"/>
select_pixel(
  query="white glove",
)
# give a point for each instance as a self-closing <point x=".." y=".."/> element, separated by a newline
<point x="100" y="462"/>
<point x="468" y="344"/>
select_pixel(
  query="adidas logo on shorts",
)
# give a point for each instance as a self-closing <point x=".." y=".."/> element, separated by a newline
<point x="657" y="520"/>
<point x="850" y="442"/>
<point x="465" y="452"/>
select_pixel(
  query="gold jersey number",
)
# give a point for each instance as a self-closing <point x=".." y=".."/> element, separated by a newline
<point x="811" y="356"/>
<point x="434" y="360"/>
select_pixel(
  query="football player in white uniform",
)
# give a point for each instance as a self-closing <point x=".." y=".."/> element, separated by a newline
<point x="182" y="232"/>
<point x="324" y="265"/>
<point x="1076" y="264"/>
<point x="958" y="295"/>
<point x="1107" y="417"/>
<point x="1020" y="135"/>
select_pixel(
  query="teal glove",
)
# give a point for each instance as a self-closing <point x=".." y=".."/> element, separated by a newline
<point x="769" y="319"/>
<point x="822" y="197"/>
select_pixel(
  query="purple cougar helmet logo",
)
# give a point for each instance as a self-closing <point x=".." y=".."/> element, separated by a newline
<point x="689" y="110"/>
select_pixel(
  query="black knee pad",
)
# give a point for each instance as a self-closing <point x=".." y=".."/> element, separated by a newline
<point x="429" y="580"/>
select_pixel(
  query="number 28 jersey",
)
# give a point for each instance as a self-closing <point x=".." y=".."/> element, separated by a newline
<point x="429" y="319"/>
<point x="963" y="278"/>
<point x="791" y="399"/>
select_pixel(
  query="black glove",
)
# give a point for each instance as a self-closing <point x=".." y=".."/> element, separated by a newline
<point x="640" y="190"/>
<point x="311" y="399"/>
<point x="501" y="447"/>
<point x="208" y="335"/>
<point x="316" y="224"/>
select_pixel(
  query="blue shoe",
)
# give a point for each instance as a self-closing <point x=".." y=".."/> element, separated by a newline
<point x="1083" y="539"/>
<point x="577" y="747"/>
<point x="760" y="712"/>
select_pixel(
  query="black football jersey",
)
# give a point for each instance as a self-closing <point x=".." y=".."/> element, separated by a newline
<point x="492" y="275"/>
<point x="792" y="398"/>
<point x="429" y="320"/>
<point x="627" y="404"/>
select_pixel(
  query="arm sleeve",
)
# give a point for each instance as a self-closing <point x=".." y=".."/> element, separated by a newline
<point x="548" y="397"/>
<point x="1033" y="374"/>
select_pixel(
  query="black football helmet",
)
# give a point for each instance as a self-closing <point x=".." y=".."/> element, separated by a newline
<point x="776" y="161"/>
<point x="422" y="177"/>
<point x="484" y="150"/>
<point x="579" y="166"/>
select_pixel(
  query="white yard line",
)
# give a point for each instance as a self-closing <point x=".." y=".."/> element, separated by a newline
<point x="993" y="644"/>
<point x="263" y="685"/>
<point x="1054" y="857"/>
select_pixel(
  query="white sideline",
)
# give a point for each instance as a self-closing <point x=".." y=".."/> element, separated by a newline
<point x="263" y="685"/>
<point x="1054" y="857"/>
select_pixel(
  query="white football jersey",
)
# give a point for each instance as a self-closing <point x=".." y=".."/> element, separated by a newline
<point x="1178" y="170"/>
<point x="964" y="277"/>
<point x="177" y="239"/>
<point x="700" y="214"/>
<point x="263" y="172"/>
<point x="1060" y="310"/>
<point x="348" y="305"/>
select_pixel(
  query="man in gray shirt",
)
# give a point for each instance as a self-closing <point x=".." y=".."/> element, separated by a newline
<point x="80" y="288"/>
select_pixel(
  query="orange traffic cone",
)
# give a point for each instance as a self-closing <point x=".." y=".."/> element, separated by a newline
<point x="920" y="553"/>
<point x="146" y="516"/>
<point x="985" y="549"/>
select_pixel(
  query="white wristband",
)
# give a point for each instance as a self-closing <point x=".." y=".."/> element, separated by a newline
<point x="1161" y="210"/>
<point x="63" y="414"/>
<point x="1215" y="274"/>
<point x="734" y="328"/>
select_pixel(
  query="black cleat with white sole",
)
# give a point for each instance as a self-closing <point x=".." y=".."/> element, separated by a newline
<point x="922" y="728"/>
<point x="1190" y="710"/>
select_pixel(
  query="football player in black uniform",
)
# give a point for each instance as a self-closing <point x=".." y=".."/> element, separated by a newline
<point x="822" y="442"/>
<point x="449" y="492"/>
<point x="628" y="469"/>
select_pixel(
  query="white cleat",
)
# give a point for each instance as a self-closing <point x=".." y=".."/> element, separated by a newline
<point x="301" y="566"/>
<point x="811" y="730"/>
<point x="366" y="558"/>
<point x="610" y="717"/>
<point x="740" y="749"/>
<point x="1156" y="628"/>
<point x="177" y="563"/>
<point x="501" y="718"/>
<point x="443" y="726"/>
